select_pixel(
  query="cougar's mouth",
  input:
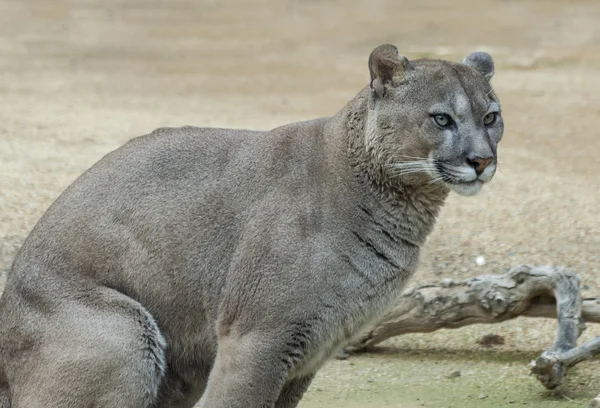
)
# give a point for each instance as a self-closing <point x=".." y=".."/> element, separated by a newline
<point x="463" y="183"/>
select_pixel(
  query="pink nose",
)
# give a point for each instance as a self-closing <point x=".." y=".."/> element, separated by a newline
<point x="479" y="163"/>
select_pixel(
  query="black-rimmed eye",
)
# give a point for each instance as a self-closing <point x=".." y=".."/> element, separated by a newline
<point x="442" y="120"/>
<point x="490" y="118"/>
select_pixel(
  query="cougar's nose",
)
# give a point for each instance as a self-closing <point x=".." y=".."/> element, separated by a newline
<point x="479" y="163"/>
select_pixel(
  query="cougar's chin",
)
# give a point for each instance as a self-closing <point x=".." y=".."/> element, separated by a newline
<point x="469" y="188"/>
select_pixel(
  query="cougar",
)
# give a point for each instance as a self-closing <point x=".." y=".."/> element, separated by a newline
<point x="226" y="266"/>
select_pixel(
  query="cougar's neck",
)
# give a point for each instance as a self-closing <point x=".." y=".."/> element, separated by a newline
<point x="407" y="210"/>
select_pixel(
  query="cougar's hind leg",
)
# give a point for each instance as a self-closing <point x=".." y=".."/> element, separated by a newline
<point x="104" y="352"/>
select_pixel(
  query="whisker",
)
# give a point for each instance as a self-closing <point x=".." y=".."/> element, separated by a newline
<point x="408" y="172"/>
<point x="409" y="169"/>
<point x="436" y="180"/>
<point x="414" y="157"/>
<point x="412" y="168"/>
<point x="411" y="164"/>
<point x="408" y="162"/>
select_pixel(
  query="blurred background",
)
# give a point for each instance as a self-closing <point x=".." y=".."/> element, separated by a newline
<point x="78" y="78"/>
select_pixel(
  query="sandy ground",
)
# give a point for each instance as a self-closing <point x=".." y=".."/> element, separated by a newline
<point x="79" y="78"/>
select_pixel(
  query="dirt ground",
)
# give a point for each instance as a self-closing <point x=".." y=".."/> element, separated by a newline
<point x="79" y="78"/>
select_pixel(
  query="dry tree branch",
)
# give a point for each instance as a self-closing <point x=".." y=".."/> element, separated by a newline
<point x="542" y="291"/>
<point x="523" y="291"/>
<point x="552" y="365"/>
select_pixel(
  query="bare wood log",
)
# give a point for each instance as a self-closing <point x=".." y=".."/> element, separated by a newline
<point x="542" y="291"/>
<point x="590" y="310"/>
<point x="551" y="367"/>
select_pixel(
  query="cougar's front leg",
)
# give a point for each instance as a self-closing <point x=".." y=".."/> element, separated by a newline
<point x="261" y="347"/>
<point x="293" y="391"/>
<point x="250" y="371"/>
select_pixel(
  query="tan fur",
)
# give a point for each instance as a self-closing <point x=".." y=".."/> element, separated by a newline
<point x="228" y="265"/>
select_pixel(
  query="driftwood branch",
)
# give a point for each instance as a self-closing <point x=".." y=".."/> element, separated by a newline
<point x="542" y="291"/>
<point x="551" y="367"/>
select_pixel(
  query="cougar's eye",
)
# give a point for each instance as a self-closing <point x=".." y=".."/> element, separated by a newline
<point x="442" y="120"/>
<point x="490" y="118"/>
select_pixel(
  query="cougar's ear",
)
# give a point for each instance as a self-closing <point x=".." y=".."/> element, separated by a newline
<point x="482" y="62"/>
<point x="387" y="68"/>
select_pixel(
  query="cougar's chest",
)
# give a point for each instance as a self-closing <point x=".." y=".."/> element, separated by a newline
<point x="373" y="274"/>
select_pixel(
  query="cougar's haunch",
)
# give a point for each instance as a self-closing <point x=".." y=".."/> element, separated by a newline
<point x="227" y="265"/>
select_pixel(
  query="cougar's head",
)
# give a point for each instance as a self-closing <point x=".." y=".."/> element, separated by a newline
<point x="432" y="121"/>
